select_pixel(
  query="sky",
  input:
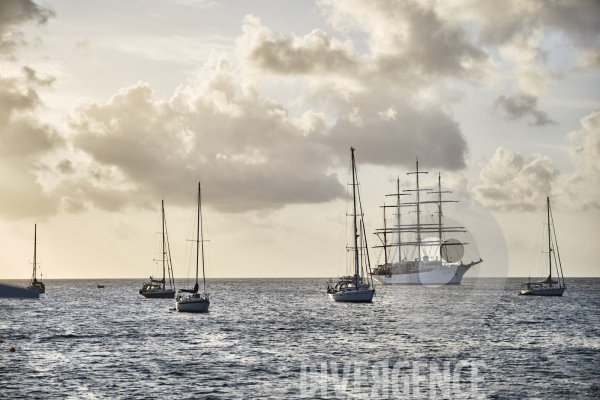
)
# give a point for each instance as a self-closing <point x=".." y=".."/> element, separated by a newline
<point x="108" y="107"/>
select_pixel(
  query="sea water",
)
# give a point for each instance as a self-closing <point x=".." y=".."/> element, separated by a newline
<point x="284" y="338"/>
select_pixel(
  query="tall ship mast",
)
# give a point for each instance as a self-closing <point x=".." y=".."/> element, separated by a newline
<point x="427" y="254"/>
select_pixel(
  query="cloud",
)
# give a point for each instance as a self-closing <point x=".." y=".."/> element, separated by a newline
<point x="314" y="53"/>
<point x="511" y="182"/>
<point x="24" y="139"/>
<point x="522" y="106"/>
<point x="408" y="43"/>
<point x="246" y="150"/>
<point x="398" y="135"/>
<point x="21" y="133"/>
<point x="410" y="35"/>
<point x="520" y="31"/>
<point x="582" y="187"/>
<point x="14" y="13"/>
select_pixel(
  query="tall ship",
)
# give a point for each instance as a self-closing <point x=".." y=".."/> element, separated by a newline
<point x="428" y="252"/>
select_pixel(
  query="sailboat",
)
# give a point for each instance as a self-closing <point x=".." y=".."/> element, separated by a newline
<point x="157" y="289"/>
<point x="355" y="288"/>
<point x="548" y="286"/>
<point x="34" y="284"/>
<point x="447" y="268"/>
<point x="189" y="300"/>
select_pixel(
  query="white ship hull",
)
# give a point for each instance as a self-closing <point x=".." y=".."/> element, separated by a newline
<point x="439" y="275"/>
<point x="192" y="304"/>
<point x="353" y="296"/>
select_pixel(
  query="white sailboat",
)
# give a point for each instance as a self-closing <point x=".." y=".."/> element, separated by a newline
<point x="445" y="268"/>
<point x="157" y="289"/>
<point x="356" y="288"/>
<point x="548" y="286"/>
<point x="34" y="284"/>
<point x="189" y="300"/>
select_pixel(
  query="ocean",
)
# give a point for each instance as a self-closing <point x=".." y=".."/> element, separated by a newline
<point x="284" y="339"/>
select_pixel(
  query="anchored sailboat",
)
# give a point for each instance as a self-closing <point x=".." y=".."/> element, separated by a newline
<point x="356" y="288"/>
<point x="548" y="286"/>
<point x="157" y="289"/>
<point x="34" y="284"/>
<point x="446" y="268"/>
<point x="189" y="300"/>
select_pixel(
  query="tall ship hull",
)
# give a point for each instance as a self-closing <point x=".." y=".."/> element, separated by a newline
<point x="433" y="275"/>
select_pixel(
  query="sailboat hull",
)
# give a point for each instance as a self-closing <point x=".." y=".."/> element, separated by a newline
<point x="547" y="291"/>
<point x="39" y="289"/>
<point x="353" y="296"/>
<point x="159" y="294"/>
<point x="194" y="305"/>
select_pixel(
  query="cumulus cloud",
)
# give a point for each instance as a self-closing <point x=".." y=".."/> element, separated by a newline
<point x="314" y="53"/>
<point x="246" y="150"/>
<point x="14" y="13"/>
<point x="23" y="140"/>
<point x="511" y="182"/>
<point x="408" y="43"/>
<point x="391" y="138"/>
<point x="411" y="35"/>
<point x="522" y="106"/>
<point x="517" y="29"/>
<point x="582" y="187"/>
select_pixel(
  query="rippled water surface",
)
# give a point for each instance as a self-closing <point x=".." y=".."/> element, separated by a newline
<point x="78" y="341"/>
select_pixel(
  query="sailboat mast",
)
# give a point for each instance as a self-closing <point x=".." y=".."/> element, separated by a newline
<point x="201" y="237"/>
<point x="549" y="240"/>
<point x="440" y="213"/>
<point x="354" y="214"/>
<point x="398" y="216"/>
<point x="198" y="235"/>
<point x="418" y="215"/>
<point x="162" y="205"/>
<point x="34" y="252"/>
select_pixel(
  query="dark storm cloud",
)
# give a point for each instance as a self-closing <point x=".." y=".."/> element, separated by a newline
<point x="522" y="106"/>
